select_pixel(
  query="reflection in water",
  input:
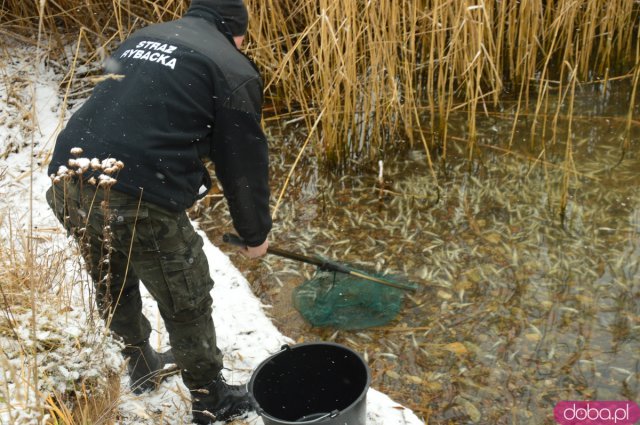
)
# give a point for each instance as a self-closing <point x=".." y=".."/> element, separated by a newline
<point x="519" y="308"/>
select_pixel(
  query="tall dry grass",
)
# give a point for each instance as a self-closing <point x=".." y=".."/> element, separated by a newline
<point x="376" y="75"/>
<point x="37" y="304"/>
<point x="369" y="66"/>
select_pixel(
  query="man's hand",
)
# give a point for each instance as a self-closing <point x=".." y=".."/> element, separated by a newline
<point x="255" y="251"/>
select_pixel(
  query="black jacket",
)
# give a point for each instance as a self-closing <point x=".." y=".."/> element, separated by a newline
<point x="181" y="92"/>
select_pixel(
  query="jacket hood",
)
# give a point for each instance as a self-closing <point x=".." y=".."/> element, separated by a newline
<point x="231" y="13"/>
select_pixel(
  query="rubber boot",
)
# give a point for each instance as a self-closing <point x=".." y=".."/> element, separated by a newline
<point x="146" y="367"/>
<point x="219" y="401"/>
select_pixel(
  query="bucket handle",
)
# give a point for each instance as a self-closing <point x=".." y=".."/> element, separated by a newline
<point x="254" y="402"/>
<point x="331" y="415"/>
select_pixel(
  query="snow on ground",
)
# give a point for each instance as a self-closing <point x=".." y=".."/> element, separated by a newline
<point x="245" y="333"/>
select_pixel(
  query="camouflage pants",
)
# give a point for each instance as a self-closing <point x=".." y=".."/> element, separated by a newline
<point x="124" y="241"/>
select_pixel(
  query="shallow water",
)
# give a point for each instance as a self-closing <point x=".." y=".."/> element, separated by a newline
<point x="521" y="305"/>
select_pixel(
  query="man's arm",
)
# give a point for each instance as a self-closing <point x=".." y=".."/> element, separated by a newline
<point x="241" y="158"/>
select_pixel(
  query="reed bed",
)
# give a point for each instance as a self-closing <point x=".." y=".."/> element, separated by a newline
<point x="368" y="77"/>
<point x="377" y="72"/>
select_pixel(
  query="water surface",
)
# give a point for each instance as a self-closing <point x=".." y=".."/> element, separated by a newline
<point x="529" y="274"/>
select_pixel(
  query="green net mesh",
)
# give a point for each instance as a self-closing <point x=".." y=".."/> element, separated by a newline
<point x="339" y="300"/>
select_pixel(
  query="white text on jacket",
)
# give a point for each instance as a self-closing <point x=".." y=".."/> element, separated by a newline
<point x="152" y="51"/>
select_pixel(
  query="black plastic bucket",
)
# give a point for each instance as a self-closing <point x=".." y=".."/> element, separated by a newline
<point x="312" y="383"/>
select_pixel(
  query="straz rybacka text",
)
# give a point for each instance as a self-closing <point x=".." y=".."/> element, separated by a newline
<point x="154" y="52"/>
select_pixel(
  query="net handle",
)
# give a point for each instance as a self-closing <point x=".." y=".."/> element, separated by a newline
<point x="232" y="239"/>
<point x="322" y="264"/>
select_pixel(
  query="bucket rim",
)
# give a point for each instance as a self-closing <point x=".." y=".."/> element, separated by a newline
<point x="287" y="347"/>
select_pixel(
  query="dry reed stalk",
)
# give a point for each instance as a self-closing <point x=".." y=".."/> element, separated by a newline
<point x="544" y="88"/>
<point x="634" y="92"/>
<point x="440" y="83"/>
<point x="569" y="165"/>
<point x="427" y="55"/>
